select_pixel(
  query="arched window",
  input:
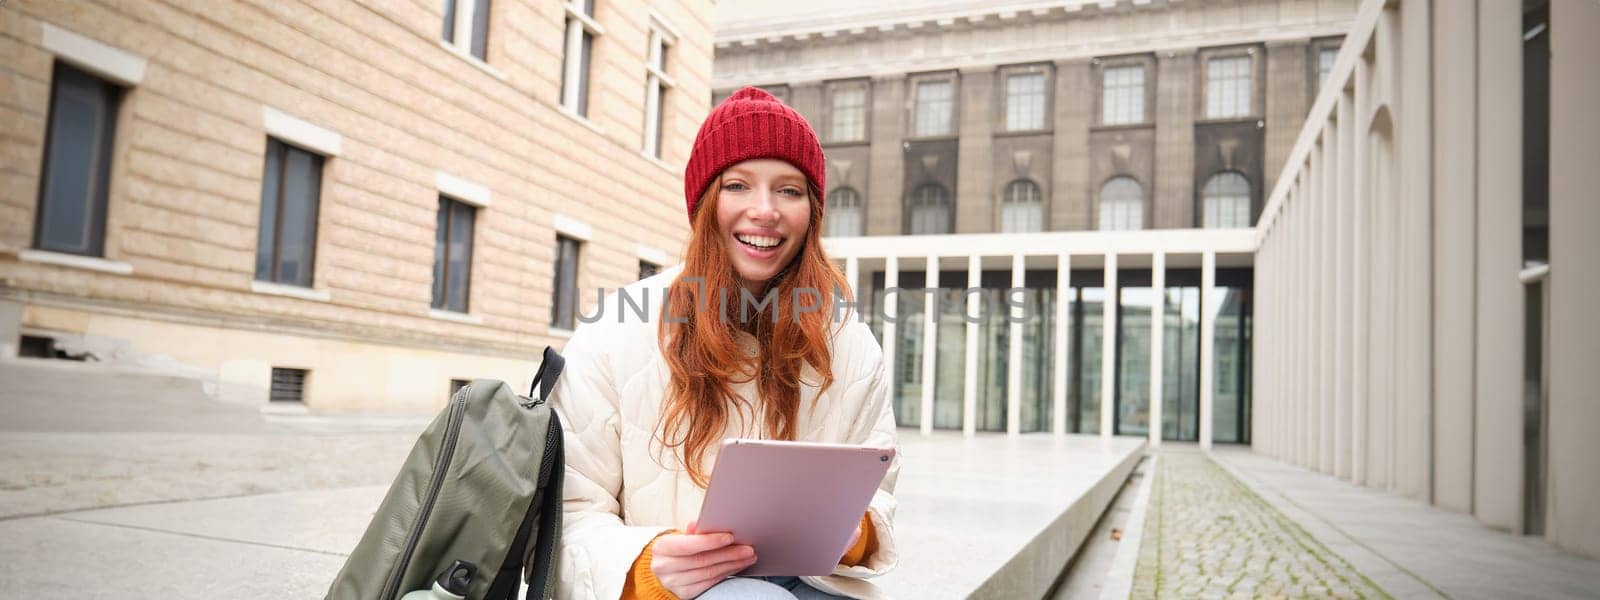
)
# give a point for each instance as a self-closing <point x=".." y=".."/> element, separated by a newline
<point x="1022" y="211"/>
<point x="843" y="214"/>
<point x="930" y="209"/>
<point x="1121" y="204"/>
<point x="1226" y="200"/>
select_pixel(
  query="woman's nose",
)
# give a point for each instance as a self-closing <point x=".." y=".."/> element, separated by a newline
<point x="765" y="206"/>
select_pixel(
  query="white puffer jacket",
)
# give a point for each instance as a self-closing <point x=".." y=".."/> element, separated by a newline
<point x="621" y="490"/>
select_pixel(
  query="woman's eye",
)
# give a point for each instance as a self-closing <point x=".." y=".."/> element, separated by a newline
<point x="793" y="192"/>
<point x="733" y="186"/>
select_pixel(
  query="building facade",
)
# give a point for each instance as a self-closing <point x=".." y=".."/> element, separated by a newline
<point x="1410" y="307"/>
<point x="350" y="205"/>
<point x="983" y="145"/>
<point x="1425" y="273"/>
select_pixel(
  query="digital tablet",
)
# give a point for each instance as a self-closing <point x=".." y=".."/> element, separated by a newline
<point x="796" y="503"/>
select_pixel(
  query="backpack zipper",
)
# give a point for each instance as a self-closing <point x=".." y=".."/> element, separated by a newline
<point x="451" y="432"/>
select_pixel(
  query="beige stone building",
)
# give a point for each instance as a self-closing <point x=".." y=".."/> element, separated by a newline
<point x="1104" y="148"/>
<point x="1084" y="115"/>
<point x="1407" y="304"/>
<point x="349" y="204"/>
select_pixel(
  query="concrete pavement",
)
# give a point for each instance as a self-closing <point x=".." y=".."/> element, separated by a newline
<point x="118" y="483"/>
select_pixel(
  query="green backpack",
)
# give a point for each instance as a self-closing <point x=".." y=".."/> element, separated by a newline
<point x="480" y="491"/>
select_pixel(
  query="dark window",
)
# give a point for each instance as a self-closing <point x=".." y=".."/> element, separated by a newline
<point x="77" y="163"/>
<point x="930" y="210"/>
<point x="287" y="245"/>
<point x="288" y="385"/>
<point x="578" y="79"/>
<point x="452" y="254"/>
<point x="647" y="269"/>
<point x="564" y="307"/>
<point x="449" y="34"/>
<point x="480" y="30"/>
<point x="478" y="45"/>
<point x="844" y="217"/>
<point x="1022" y="210"/>
<point x="583" y="76"/>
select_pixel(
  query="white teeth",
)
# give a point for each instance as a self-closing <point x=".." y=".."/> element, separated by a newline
<point x="759" y="241"/>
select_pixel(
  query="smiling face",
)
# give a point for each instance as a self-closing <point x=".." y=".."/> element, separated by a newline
<point x="763" y="210"/>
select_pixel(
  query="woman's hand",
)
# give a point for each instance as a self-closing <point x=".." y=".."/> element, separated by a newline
<point x="688" y="564"/>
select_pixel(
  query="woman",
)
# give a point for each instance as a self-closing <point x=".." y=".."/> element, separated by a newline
<point x="646" y="401"/>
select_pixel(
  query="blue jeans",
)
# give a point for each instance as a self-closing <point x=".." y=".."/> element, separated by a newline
<point x="765" y="588"/>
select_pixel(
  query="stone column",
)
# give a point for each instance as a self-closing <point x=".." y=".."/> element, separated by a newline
<point x="1287" y="104"/>
<point x="930" y="344"/>
<point x="886" y="171"/>
<point x="1069" y="173"/>
<point x="1014" y="350"/>
<point x="1172" y="202"/>
<point x="969" y="398"/>
<point x="891" y="312"/>
<point x="974" y="183"/>
<point x="1058" y="421"/>
<point x="1208" y="328"/>
<point x="1158" y="285"/>
<point x="1108" y="347"/>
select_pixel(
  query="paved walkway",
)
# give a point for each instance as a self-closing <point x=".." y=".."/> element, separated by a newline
<point x="1206" y="535"/>
<point x="1408" y="548"/>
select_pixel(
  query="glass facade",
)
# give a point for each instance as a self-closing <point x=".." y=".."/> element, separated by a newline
<point x="1085" y="298"/>
<point x="1180" y="363"/>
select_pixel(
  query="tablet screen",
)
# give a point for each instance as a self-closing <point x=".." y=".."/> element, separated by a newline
<point x="796" y="503"/>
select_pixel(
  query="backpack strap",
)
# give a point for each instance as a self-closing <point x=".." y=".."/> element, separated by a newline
<point x="544" y="381"/>
<point x="542" y="567"/>
<point x="541" y="563"/>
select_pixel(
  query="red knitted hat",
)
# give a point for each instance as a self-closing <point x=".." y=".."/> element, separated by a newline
<point x="752" y="124"/>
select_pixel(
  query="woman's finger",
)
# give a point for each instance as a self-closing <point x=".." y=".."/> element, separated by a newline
<point x="688" y="545"/>
<point x="667" y="565"/>
<point x="690" y="583"/>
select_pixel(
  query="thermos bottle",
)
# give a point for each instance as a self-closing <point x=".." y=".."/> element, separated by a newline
<point x="450" y="585"/>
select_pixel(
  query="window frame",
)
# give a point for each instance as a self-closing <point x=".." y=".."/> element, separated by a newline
<point x="1046" y="100"/>
<point x="557" y="291"/>
<point x="458" y="24"/>
<point x="284" y="149"/>
<point x="1007" y="201"/>
<point x="1146" y="66"/>
<point x="1205" y="198"/>
<point x="1253" y="69"/>
<point x="1314" y="50"/>
<point x="442" y="255"/>
<point x="914" y="102"/>
<point x="832" y="88"/>
<point x="912" y="201"/>
<point x="102" y="157"/>
<point x="662" y="38"/>
<point x="577" y="58"/>
<point x="1100" y="203"/>
<point x="834" y="205"/>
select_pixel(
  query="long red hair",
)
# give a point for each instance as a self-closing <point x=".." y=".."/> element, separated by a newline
<point x="699" y="339"/>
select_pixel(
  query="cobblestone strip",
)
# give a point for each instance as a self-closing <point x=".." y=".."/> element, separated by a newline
<point x="1208" y="536"/>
